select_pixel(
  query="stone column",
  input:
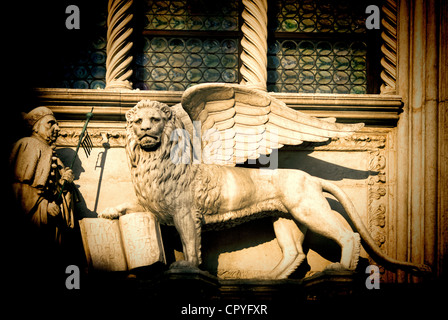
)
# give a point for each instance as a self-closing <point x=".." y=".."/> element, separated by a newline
<point x="430" y="151"/>
<point x="403" y="141"/>
<point x="418" y="133"/>
<point x="254" y="43"/>
<point x="118" y="45"/>
<point x="389" y="47"/>
<point x="442" y="210"/>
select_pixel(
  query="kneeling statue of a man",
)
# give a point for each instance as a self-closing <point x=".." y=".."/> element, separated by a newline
<point x="38" y="175"/>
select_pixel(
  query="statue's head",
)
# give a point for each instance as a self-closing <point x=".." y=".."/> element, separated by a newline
<point x="43" y="124"/>
<point x="147" y="121"/>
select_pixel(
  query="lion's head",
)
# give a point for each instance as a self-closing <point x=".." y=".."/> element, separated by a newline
<point x="146" y="123"/>
<point x="150" y="126"/>
<point x="158" y="180"/>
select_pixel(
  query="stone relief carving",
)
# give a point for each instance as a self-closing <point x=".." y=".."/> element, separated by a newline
<point x="69" y="137"/>
<point x="377" y="193"/>
<point x="194" y="193"/>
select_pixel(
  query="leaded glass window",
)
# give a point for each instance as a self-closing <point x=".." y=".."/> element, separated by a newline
<point x="317" y="66"/>
<point x="188" y="42"/>
<point x="88" y="71"/>
<point x="175" y="63"/>
<point x="326" y="16"/>
<point x="81" y="62"/>
<point x="196" y="15"/>
<point x="314" y="46"/>
<point x="320" y="47"/>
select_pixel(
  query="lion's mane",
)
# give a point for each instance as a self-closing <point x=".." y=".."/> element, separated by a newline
<point x="158" y="181"/>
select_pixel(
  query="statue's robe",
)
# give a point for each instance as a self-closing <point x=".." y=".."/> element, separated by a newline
<point x="36" y="173"/>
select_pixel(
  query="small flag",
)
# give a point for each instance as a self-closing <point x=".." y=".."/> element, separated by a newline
<point x="86" y="143"/>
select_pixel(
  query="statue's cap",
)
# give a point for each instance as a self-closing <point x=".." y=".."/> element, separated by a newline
<point x="36" y="114"/>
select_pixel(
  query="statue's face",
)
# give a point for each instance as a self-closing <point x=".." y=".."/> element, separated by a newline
<point x="148" y="125"/>
<point x="47" y="129"/>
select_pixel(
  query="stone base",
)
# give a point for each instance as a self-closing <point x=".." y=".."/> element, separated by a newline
<point x="174" y="290"/>
<point x="332" y="285"/>
<point x="175" y="294"/>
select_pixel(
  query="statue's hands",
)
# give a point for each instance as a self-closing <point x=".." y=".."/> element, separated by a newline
<point x="53" y="209"/>
<point x="68" y="175"/>
<point x="110" y="213"/>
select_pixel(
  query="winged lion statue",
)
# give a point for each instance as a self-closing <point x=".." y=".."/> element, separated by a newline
<point x="237" y="124"/>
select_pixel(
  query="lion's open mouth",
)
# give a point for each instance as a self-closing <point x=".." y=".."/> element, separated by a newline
<point x="149" y="141"/>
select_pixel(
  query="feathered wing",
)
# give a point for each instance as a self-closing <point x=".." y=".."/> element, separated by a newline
<point x="237" y="123"/>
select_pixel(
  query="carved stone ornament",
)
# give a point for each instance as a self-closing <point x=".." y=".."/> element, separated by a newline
<point x="377" y="193"/>
<point x="69" y="137"/>
<point x="182" y="163"/>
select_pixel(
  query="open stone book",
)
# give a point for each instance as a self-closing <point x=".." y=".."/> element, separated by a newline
<point x="132" y="241"/>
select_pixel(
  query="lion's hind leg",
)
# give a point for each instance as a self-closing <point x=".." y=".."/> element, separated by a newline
<point x="290" y="238"/>
<point x="315" y="213"/>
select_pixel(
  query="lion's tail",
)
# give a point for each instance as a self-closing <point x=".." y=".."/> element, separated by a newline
<point x="365" y="234"/>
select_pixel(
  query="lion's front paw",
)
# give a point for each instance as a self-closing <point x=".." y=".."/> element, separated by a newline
<point x="110" y="213"/>
<point x="184" y="265"/>
<point x="336" y="267"/>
